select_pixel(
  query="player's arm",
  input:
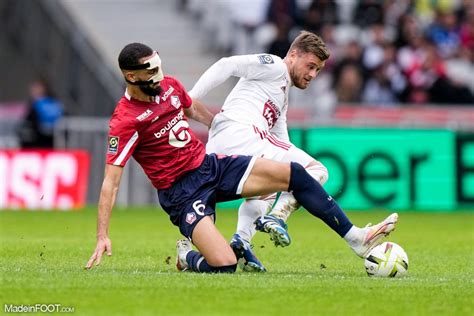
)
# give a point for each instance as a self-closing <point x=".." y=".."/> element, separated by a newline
<point x="108" y="193"/>
<point x="199" y="112"/>
<point x="243" y="66"/>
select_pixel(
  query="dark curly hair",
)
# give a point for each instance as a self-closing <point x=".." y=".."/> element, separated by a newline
<point x="131" y="54"/>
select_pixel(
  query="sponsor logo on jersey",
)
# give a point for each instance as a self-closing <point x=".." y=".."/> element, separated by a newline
<point x="175" y="101"/>
<point x="190" y="218"/>
<point x="167" y="93"/>
<point x="113" y="145"/>
<point x="179" y="135"/>
<point x="271" y="113"/>
<point x="170" y="124"/>
<point x="144" y="115"/>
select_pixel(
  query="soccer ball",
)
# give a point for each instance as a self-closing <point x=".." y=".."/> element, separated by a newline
<point x="387" y="260"/>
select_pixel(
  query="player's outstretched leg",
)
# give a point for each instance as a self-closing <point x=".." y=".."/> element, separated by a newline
<point x="275" y="227"/>
<point x="315" y="199"/>
<point x="243" y="252"/>
<point x="270" y="175"/>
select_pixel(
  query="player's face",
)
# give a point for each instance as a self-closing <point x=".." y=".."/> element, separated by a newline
<point x="304" y="67"/>
<point x="144" y="78"/>
<point x="144" y="75"/>
<point x="152" y="89"/>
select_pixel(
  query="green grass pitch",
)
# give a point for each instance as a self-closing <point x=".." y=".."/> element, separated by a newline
<point x="42" y="255"/>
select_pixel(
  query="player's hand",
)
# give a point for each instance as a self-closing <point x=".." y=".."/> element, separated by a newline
<point x="103" y="245"/>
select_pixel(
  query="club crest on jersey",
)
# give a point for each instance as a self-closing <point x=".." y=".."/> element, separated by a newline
<point x="113" y="145"/>
<point x="175" y="101"/>
<point x="271" y="113"/>
<point x="265" y="59"/>
<point x="190" y="218"/>
<point x="144" y="115"/>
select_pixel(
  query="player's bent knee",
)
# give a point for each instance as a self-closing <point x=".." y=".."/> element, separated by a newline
<point x="225" y="269"/>
<point x="318" y="171"/>
<point x="299" y="177"/>
<point x="221" y="260"/>
<point x="224" y="262"/>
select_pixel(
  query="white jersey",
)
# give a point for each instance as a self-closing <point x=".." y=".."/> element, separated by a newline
<point x="253" y="118"/>
<point x="259" y="99"/>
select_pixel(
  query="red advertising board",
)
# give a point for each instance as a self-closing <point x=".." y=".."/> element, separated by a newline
<point x="43" y="179"/>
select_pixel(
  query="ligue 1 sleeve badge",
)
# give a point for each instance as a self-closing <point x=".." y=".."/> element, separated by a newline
<point x="265" y="59"/>
<point x="113" y="145"/>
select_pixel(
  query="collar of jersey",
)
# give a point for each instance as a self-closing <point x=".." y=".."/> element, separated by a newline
<point x="287" y="74"/>
<point x="129" y="98"/>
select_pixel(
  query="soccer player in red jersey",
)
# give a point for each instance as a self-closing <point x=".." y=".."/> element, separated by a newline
<point x="150" y="124"/>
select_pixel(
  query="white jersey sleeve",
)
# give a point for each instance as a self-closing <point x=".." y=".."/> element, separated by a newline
<point x="251" y="67"/>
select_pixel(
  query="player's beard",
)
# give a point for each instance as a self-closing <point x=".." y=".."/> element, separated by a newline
<point x="297" y="80"/>
<point x="149" y="90"/>
<point x="301" y="83"/>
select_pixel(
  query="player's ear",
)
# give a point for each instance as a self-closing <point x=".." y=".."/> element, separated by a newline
<point x="129" y="75"/>
<point x="292" y="54"/>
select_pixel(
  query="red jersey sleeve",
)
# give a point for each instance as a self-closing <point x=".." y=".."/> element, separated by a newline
<point x="122" y="141"/>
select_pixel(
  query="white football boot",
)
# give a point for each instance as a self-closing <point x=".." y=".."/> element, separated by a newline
<point x="183" y="246"/>
<point x="372" y="235"/>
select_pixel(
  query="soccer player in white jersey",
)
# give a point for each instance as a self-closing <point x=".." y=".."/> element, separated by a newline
<point x="253" y="122"/>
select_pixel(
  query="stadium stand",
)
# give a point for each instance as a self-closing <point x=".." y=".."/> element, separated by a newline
<point x="383" y="53"/>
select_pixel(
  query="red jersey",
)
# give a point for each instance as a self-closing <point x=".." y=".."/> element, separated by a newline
<point x="156" y="134"/>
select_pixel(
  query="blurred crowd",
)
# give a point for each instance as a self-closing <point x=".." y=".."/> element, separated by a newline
<point x="383" y="53"/>
<point x="43" y="112"/>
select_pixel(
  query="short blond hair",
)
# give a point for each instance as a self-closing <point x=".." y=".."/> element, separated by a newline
<point x="308" y="42"/>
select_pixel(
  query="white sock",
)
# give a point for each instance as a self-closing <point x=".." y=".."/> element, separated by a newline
<point x="354" y="236"/>
<point x="249" y="211"/>
<point x="285" y="205"/>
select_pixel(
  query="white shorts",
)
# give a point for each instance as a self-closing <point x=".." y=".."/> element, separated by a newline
<point x="231" y="138"/>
